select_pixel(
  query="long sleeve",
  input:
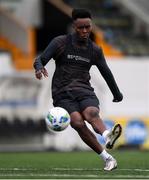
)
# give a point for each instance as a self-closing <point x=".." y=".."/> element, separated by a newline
<point x="55" y="48"/>
<point x="106" y="73"/>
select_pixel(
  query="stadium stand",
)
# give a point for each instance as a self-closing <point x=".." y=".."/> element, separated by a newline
<point x="18" y="39"/>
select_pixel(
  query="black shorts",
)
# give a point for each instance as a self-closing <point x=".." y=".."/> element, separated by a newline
<point x="76" y="100"/>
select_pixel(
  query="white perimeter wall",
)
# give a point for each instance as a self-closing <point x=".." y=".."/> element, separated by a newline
<point x="132" y="77"/>
<point x="131" y="74"/>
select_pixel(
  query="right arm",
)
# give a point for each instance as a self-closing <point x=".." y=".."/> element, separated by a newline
<point x="52" y="50"/>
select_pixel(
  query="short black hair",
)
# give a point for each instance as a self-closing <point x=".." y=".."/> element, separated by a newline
<point x="80" y="13"/>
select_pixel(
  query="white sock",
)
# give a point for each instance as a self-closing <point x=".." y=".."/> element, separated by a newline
<point x="104" y="155"/>
<point x="104" y="135"/>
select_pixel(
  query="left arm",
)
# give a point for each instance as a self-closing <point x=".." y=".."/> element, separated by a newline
<point x="105" y="71"/>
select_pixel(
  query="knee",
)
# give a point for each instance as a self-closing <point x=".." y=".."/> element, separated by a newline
<point x="91" y="114"/>
<point x="77" y="124"/>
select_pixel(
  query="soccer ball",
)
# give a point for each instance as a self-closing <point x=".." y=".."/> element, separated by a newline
<point x="57" y="119"/>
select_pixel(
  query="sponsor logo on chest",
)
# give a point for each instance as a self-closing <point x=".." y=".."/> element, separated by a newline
<point x="77" y="58"/>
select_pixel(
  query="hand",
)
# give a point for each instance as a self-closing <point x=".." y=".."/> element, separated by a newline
<point x="118" y="98"/>
<point x="41" y="72"/>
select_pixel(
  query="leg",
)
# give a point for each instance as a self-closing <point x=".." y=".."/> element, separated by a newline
<point x="91" y="115"/>
<point x="86" y="135"/>
<point x="89" y="138"/>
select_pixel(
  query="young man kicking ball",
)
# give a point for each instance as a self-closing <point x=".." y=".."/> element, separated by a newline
<point x="74" y="54"/>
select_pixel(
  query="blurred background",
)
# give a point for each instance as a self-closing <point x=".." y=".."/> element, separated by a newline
<point x="121" y="28"/>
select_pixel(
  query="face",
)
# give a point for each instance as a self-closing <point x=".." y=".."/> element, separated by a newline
<point x="83" y="27"/>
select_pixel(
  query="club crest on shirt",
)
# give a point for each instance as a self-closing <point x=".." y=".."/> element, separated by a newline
<point x="77" y="58"/>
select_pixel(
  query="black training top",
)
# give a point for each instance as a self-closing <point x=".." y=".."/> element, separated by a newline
<point x="74" y="59"/>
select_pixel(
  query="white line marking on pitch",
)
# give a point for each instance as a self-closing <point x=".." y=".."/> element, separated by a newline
<point x="71" y="169"/>
<point x="75" y="175"/>
<point x="18" y="169"/>
<point x="95" y="169"/>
